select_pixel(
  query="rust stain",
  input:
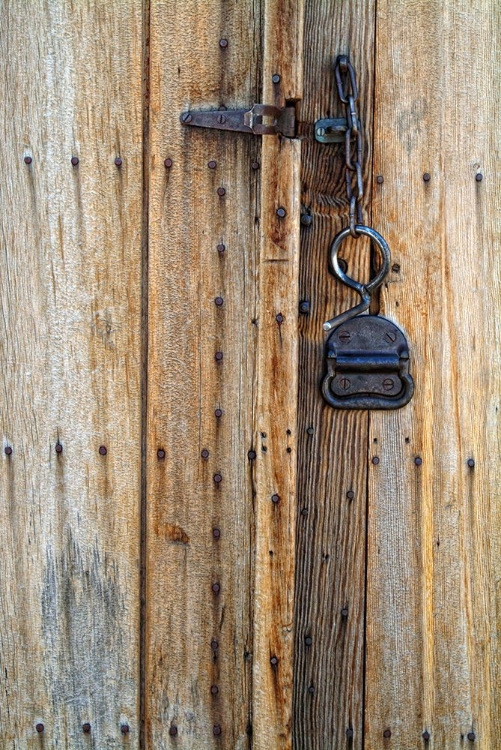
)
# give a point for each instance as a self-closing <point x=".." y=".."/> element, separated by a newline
<point x="173" y="532"/>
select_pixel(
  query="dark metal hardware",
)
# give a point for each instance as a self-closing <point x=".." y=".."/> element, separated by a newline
<point x="331" y="130"/>
<point x="261" y="119"/>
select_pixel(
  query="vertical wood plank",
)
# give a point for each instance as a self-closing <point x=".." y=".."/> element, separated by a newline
<point x="203" y="250"/>
<point x="331" y="529"/>
<point x="70" y="350"/>
<point x="434" y="527"/>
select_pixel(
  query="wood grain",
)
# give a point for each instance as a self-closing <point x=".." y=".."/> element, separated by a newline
<point x="433" y="649"/>
<point x="196" y="638"/>
<point x="330" y="572"/>
<point x="70" y="352"/>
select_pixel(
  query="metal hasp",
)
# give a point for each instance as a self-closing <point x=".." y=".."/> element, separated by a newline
<point x="331" y="130"/>
<point x="262" y="119"/>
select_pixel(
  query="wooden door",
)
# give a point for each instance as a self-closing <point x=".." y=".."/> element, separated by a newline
<point x="198" y="552"/>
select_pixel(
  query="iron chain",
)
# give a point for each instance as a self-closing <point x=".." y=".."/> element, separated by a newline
<point x="354" y="145"/>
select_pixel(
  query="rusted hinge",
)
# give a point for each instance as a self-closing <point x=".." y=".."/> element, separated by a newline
<point x="262" y="119"/>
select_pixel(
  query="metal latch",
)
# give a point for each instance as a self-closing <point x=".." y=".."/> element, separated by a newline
<point x="261" y="119"/>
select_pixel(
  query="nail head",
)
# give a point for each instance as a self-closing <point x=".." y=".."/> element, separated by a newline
<point x="118" y="162"/>
<point x="74" y="160"/>
<point x="219" y="301"/>
<point x="304" y="306"/>
<point x="418" y="460"/>
<point x="471" y="736"/>
<point x="217" y="731"/>
<point x="349" y="734"/>
<point x="387" y="733"/>
<point x="471" y="463"/>
<point x="216" y="533"/>
<point x="28" y="159"/>
<point x="274" y="661"/>
<point x="380" y="179"/>
<point x="223" y="43"/>
<point x="214" y="645"/>
<point x="308" y="640"/>
<point x="275" y="78"/>
<point x="86" y="727"/>
<point x="275" y="499"/>
<point x="375" y="460"/>
<point x="344" y="612"/>
<point x="216" y="588"/>
<point x="279" y="318"/>
<point x="8" y="450"/>
<point x="221" y="248"/>
<point x="125" y="729"/>
<point x="218" y="478"/>
<point x="479" y="177"/>
<point x="255" y="165"/>
<point x="218" y="413"/>
<point x="281" y="212"/>
<point x="251" y="455"/>
<point x="219" y="356"/>
<point x="103" y="450"/>
<point x="426" y="177"/>
<point x="173" y="730"/>
<point x="59" y="448"/>
<point x="160" y="453"/>
<point x="426" y="735"/>
<point x="221" y="191"/>
<point x="39" y="727"/>
<point x="350" y="494"/>
<point x="212" y="164"/>
<point x="168" y="163"/>
<point x="205" y="453"/>
<point x="214" y="689"/>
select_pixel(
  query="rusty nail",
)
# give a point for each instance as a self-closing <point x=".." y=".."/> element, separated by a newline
<point x="395" y="268"/>
<point x="218" y="478"/>
<point x="388" y="384"/>
<point x="279" y="318"/>
<point x="221" y="248"/>
<point x="308" y="640"/>
<point x="59" y="448"/>
<point x="214" y="645"/>
<point x="214" y="689"/>
<point x="304" y="306"/>
<point x="471" y="736"/>
<point x="8" y="450"/>
<point x="86" y="727"/>
<point x="380" y="179"/>
<point x="216" y="731"/>
<point x="418" y="460"/>
<point x="40" y="727"/>
<point x="216" y="533"/>
<point x="275" y="78"/>
<point x="375" y="460"/>
<point x="221" y="119"/>
<point x="281" y="212"/>
<point x="426" y="177"/>
<point x="344" y="612"/>
<point x="255" y="165"/>
<point x="125" y="729"/>
<point x="168" y="163"/>
<point x="306" y="220"/>
<point x="221" y="191"/>
<point x="274" y="661"/>
<point x="251" y="455"/>
<point x="426" y="735"/>
<point x="304" y="512"/>
<point x="223" y="43"/>
<point x="479" y="177"/>
<point x="103" y="450"/>
<point x="74" y="160"/>
<point x="212" y="164"/>
<point x="310" y="431"/>
<point x="173" y="730"/>
<point x="118" y="162"/>
<point x="275" y="499"/>
<point x="160" y="453"/>
<point x="205" y="453"/>
<point x="349" y="733"/>
<point x="28" y="159"/>
<point x="344" y="336"/>
<point x="350" y="494"/>
<point x="216" y="588"/>
<point x="219" y="301"/>
<point x="387" y="733"/>
<point x="219" y="356"/>
<point x="471" y="463"/>
<point x="186" y="117"/>
<point x="218" y="413"/>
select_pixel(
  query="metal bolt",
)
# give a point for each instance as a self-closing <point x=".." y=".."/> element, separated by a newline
<point x="8" y="450"/>
<point x="344" y="336"/>
<point x="275" y="78"/>
<point x="186" y="117"/>
<point x="281" y="212"/>
<point x="28" y="159"/>
<point x="387" y="733"/>
<point x="219" y="301"/>
<point x="160" y="453"/>
<point x="74" y="160"/>
<point x="418" y="460"/>
<point x="216" y="731"/>
<point x="173" y="730"/>
<point x="214" y="689"/>
<point x="471" y="736"/>
<point x="221" y="119"/>
<point x="304" y="306"/>
<point x="214" y="645"/>
<point x="344" y="612"/>
<point x="349" y="733"/>
<point x="40" y="727"/>
<point x="219" y="356"/>
<point x="471" y="463"/>
<point x="274" y="661"/>
<point x="308" y="640"/>
<point x="380" y="179"/>
<point x="426" y="177"/>
<point x="395" y="268"/>
<point x="251" y="455"/>
<point x="86" y="727"/>
<point x="221" y="248"/>
<point x="479" y="177"/>
<point x="118" y="162"/>
<point x="125" y="729"/>
<point x="223" y="43"/>
<point x="388" y="384"/>
<point x="375" y="460"/>
<point x="59" y="448"/>
<point x="212" y="164"/>
<point x="205" y="453"/>
<point x="310" y="431"/>
<point x="218" y="413"/>
<point x="279" y="318"/>
<point x="255" y="165"/>
<point x="275" y="499"/>
<point x="218" y="478"/>
<point x="350" y="494"/>
<point x="216" y="533"/>
<point x="103" y="450"/>
<point x="345" y="383"/>
<point x="426" y="735"/>
<point x="306" y="220"/>
<point x="168" y="163"/>
<point x="216" y="588"/>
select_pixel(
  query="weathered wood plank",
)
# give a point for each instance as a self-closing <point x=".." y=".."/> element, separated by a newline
<point x="330" y="574"/>
<point x="197" y="638"/>
<point x="70" y="348"/>
<point x="434" y="529"/>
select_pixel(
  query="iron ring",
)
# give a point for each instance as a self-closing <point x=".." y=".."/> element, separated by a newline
<point x="383" y="248"/>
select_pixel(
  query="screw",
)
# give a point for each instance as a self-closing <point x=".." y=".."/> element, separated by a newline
<point x="320" y="131"/>
<point x="125" y="729"/>
<point x="390" y="336"/>
<point x="214" y="689"/>
<point x="395" y="268"/>
<point x="40" y="727"/>
<point x="306" y="220"/>
<point x="479" y="177"/>
<point x="118" y="161"/>
<point x="219" y="356"/>
<point x="471" y="736"/>
<point x="274" y="661"/>
<point x="426" y="735"/>
<point x="219" y="301"/>
<point x="310" y="431"/>
<point x="380" y="179"/>
<point x="221" y="191"/>
<point x="344" y="336"/>
<point x="216" y="533"/>
<point x="279" y="318"/>
<point x="350" y="494"/>
<point x="255" y="165"/>
<point x="308" y="640"/>
<point x="304" y="306"/>
<point x="387" y="733"/>
<point x="344" y="612"/>
<point x="218" y="478"/>
<point x="214" y="645"/>
<point x="28" y="159"/>
<point x="186" y="117"/>
<point x="375" y="460"/>
<point x="103" y="450"/>
<point x="173" y="730"/>
<point x="471" y="463"/>
<point x="275" y="78"/>
<point x="388" y="384"/>
<point x="160" y="453"/>
<point x="212" y="164"/>
<point x="418" y="460"/>
<point x="275" y="499"/>
<point x="221" y="248"/>
<point x="59" y="448"/>
<point x="86" y="727"/>
<point x="205" y="453"/>
<point x="349" y="733"/>
<point x="223" y="43"/>
<point x="221" y="119"/>
<point x="344" y="383"/>
<point x="168" y="163"/>
<point x="8" y="450"/>
<point x="426" y="177"/>
<point x="251" y="455"/>
<point x="216" y="588"/>
<point x="216" y="731"/>
<point x="281" y="212"/>
<point x="74" y="160"/>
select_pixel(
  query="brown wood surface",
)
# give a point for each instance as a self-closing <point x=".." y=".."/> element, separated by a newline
<point x="330" y="554"/>
<point x="434" y="555"/>
<point x="70" y="360"/>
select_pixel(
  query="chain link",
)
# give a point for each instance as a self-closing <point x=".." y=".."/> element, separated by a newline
<point x="348" y="93"/>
